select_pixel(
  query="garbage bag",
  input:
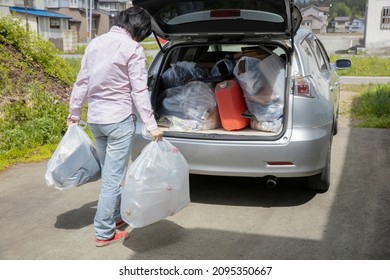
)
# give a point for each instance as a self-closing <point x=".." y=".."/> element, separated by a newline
<point x="198" y="100"/>
<point x="199" y="104"/>
<point x="183" y="72"/>
<point x="266" y="117"/>
<point x="74" y="162"/>
<point x="156" y="185"/>
<point x="249" y="75"/>
<point x="170" y="104"/>
<point x="223" y="67"/>
<point x="191" y="107"/>
<point x="262" y="81"/>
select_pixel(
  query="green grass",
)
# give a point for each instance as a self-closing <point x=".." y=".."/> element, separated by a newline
<point x="26" y="155"/>
<point x="372" y="107"/>
<point x="148" y="47"/>
<point x="363" y="65"/>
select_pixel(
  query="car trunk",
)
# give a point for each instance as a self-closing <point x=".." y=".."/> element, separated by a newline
<point x="207" y="39"/>
<point x="222" y="91"/>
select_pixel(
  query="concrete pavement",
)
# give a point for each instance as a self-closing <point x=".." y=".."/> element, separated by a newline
<point x="228" y="218"/>
<point x="350" y="80"/>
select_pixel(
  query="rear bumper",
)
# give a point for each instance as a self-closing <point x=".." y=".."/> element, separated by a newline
<point x="306" y="148"/>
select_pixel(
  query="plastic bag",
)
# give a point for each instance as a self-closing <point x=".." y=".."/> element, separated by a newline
<point x="273" y="70"/>
<point x="223" y="67"/>
<point x="249" y="75"/>
<point x="74" y="162"/>
<point x="199" y="104"/>
<point x="156" y="185"/>
<point x="170" y="104"/>
<point x="191" y="107"/>
<point x="198" y="100"/>
<point x="183" y="72"/>
<point x="262" y="81"/>
<point x="267" y="126"/>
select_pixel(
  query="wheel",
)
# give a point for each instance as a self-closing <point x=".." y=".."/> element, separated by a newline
<point x="320" y="182"/>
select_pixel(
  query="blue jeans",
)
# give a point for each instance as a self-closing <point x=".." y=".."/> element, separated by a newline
<point x="113" y="144"/>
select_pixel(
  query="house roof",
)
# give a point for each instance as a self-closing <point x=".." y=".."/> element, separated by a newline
<point x="324" y="9"/>
<point x="359" y="19"/>
<point x="311" y="17"/>
<point x="342" y="18"/>
<point x="39" y="13"/>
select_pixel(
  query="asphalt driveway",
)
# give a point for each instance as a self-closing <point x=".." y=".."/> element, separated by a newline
<point x="228" y="218"/>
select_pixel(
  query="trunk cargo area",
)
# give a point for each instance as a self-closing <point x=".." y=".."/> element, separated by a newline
<point x="222" y="91"/>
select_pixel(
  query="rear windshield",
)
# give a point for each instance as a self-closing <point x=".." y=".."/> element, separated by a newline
<point x="213" y="13"/>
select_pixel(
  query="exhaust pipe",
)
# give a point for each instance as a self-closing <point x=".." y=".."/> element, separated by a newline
<point x="271" y="182"/>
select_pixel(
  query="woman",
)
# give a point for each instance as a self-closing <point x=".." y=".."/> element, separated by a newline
<point x="113" y="78"/>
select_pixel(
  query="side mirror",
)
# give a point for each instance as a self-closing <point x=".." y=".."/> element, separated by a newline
<point x="343" y="63"/>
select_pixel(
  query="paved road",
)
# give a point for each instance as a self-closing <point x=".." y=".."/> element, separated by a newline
<point x="339" y="43"/>
<point x="364" y="80"/>
<point x="228" y="218"/>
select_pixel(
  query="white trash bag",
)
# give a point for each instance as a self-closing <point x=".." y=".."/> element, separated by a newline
<point x="74" y="162"/>
<point x="156" y="185"/>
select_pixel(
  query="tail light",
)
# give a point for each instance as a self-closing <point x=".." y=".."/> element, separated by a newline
<point x="303" y="86"/>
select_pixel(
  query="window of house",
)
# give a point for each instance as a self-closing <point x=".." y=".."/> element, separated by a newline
<point x="55" y="23"/>
<point x="385" y="18"/>
<point x="104" y="6"/>
<point x="53" y="3"/>
<point x="74" y="3"/>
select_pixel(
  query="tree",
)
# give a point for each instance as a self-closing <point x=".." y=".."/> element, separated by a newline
<point x="340" y="10"/>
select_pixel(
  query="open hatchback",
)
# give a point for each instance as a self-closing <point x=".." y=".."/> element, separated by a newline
<point x="240" y="90"/>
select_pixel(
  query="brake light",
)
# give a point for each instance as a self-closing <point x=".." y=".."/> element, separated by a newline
<point x="280" y="163"/>
<point x="225" y="13"/>
<point x="302" y="87"/>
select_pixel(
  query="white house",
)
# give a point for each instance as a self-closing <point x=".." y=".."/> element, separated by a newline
<point x="103" y="13"/>
<point x="357" y="25"/>
<point x="315" y="18"/>
<point x="49" y="25"/>
<point x="341" y="24"/>
<point x="377" y="33"/>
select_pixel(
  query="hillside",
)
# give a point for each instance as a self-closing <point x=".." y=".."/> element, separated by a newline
<point x="35" y="85"/>
<point x="17" y="76"/>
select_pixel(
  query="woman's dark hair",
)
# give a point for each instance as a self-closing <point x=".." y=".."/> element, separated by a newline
<point x="136" y="21"/>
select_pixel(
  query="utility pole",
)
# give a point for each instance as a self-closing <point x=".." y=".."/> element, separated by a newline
<point x="86" y="19"/>
<point x="90" y="21"/>
<point x="25" y="2"/>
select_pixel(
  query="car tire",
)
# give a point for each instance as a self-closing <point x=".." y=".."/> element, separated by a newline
<point x="321" y="182"/>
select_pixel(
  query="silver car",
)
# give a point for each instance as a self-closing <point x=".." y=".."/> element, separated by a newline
<point x="287" y="102"/>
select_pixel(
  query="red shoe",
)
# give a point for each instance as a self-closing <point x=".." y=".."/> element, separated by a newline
<point x="120" y="224"/>
<point x="118" y="236"/>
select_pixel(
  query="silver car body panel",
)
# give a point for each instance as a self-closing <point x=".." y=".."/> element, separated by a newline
<point x="299" y="150"/>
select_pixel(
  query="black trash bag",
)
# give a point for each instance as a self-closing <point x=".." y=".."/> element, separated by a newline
<point x="182" y="72"/>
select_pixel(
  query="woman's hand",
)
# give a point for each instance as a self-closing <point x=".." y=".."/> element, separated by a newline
<point x="70" y="121"/>
<point x="157" y="134"/>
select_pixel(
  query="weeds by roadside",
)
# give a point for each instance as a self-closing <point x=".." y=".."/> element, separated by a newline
<point x="372" y="107"/>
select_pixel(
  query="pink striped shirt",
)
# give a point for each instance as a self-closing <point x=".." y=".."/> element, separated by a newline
<point x="113" y="77"/>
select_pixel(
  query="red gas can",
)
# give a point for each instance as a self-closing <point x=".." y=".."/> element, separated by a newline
<point x="231" y="105"/>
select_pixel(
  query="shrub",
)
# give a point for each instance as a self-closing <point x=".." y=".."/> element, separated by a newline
<point x="34" y="48"/>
